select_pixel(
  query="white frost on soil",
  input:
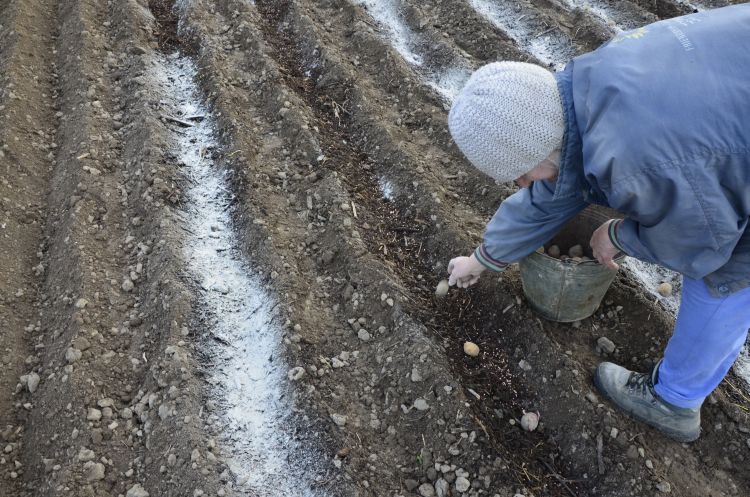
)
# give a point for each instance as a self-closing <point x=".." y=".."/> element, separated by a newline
<point x="547" y="45"/>
<point x="742" y="367"/>
<point x="449" y="82"/>
<point x="242" y="340"/>
<point x="385" y="13"/>
<point x="386" y="188"/>
<point x="601" y="10"/>
<point x="446" y="81"/>
<point x="697" y="6"/>
<point x="651" y="276"/>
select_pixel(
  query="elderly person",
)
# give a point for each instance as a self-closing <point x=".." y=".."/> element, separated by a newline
<point x="654" y="124"/>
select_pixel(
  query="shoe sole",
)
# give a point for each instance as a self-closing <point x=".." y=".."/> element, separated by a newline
<point x="674" y="435"/>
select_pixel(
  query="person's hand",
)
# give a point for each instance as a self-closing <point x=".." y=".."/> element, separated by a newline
<point x="464" y="271"/>
<point x="604" y="250"/>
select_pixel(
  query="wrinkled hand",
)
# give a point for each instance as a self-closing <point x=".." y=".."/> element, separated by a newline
<point x="464" y="271"/>
<point x="604" y="250"/>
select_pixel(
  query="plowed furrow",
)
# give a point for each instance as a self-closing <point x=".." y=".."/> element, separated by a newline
<point x="113" y="301"/>
<point x="27" y="146"/>
<point x="84" y="231"/>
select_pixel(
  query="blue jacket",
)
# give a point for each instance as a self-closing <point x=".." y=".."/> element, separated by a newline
<point x="658" y="128"/>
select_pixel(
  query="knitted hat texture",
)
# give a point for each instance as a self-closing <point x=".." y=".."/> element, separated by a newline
<point x="508" y="118"/>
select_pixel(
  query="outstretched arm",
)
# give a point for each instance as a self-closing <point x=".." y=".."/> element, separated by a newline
<point x="524" y="222"/>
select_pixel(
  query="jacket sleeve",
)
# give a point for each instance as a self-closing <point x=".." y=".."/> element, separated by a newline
<point x="523" y="223"/>
<point x="683" y="222"/>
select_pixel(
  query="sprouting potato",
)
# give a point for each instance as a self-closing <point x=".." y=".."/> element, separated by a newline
<point x="665" y="289"/>
<point x="471" y="349"/>
<point x="529" y="421"/>
<point x="575" y="251"/>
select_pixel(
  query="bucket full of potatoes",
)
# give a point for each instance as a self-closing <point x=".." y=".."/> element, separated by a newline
<point x="562" y="281"/>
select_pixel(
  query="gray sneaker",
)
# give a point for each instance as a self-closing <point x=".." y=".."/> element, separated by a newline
<point x="634" y="393"/>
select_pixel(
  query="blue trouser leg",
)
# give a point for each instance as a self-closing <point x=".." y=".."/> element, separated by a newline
<point x="708" y="337"/>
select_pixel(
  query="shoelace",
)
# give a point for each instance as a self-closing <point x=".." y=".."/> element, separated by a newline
<point x="640" y="383"/>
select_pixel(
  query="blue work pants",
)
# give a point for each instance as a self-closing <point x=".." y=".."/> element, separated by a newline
<point x="708" y="337"/>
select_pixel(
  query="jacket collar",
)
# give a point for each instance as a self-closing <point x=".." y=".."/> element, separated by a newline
<point x="570" y="177"/>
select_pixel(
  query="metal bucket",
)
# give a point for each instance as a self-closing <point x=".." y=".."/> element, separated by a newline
<point x="567" y="291"/>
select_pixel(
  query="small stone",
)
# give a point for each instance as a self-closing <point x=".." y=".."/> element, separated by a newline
<point x="339" y="419"/>
<point x="442" y="288"/>
<point x="426" y="490"/>
<point x="416" y="376"/>
<point x="632" y="452"/>
<point x="127" y="285"/>
<point x="649" y="464"/>
<point x="462" y="484"/>
<point x="32" y="382"/>
<point x="591" y="397"/>
<point x="94" y="414"/>
<point x="664" y="487"/>
<point x="421" y="405"/>
<point x="81" y="343"/>
<point x="94" y="471"/>
<point x="614" y="432"/>
<point x="86" y="455"/>
<point x="665" y="289"/>
<point x="523" y="364"/>
<point x="553" y="251"/>
<point x="411" y="484"/>
<point x="363" y="335"/>
<point x="296" y="374"/>
<point x="471" y="349"/>
<point x="442" y="488"/>
<point x="605" y="345"/>
<point x="530" y="421"/>
<point x="137" y="491"/>
<point x="72" y="355"/>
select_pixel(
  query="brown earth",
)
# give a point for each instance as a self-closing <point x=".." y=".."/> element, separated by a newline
<point x="315" y="110"/>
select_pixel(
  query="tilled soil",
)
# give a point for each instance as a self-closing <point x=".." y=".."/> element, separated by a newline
<point x="347" y="199"/>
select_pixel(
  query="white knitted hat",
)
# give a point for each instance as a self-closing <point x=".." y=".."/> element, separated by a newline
<point x="508" y="118"/>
